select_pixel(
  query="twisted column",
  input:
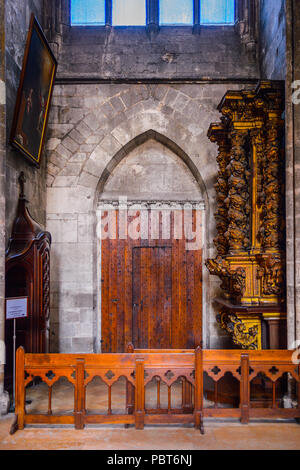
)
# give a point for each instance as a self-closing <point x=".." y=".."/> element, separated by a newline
<point x="273" y="188"/>
<point x="238" y="233"/>
<point x="219" y="134"/>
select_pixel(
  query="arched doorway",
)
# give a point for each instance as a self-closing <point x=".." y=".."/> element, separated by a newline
<point x="151" y="251"/>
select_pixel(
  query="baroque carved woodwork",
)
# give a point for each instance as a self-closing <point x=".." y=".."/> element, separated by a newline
<point x="245" y="336"/>
<point x="220" y="136"/>
<point x="271" y="274"/>
<point x="233" y="281"/>
<point x="250" y="203"/>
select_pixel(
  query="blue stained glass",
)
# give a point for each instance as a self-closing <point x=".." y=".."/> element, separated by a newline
<point x="179" y="12"/>
<point x="129" y="13"/>
<point x="217" y="11"/>
<point x="87" y="12"/>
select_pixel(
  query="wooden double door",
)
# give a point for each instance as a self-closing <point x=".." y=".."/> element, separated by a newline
<point x="151" y="291"/>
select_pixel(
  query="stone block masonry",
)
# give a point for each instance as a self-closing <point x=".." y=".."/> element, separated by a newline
<point x="122" y="130"/>
<point x="129" y="53"/>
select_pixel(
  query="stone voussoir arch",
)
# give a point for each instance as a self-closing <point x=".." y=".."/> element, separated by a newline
<point x="130" y="130"/>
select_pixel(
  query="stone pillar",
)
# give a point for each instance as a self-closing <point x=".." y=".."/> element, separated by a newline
<point x="197" y="17"/>
<point x="296" y="105"/>
<point x="4" y="399"/>
<point x="292" y="171"/>
<point x="152" y="8"/>
<point x="53" y="19"/>
<point x="247" y="24"/>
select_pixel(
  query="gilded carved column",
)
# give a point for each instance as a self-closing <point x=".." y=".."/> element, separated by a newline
<point x="273" y="188"/>
<point x="238" y="195"/>
<point x="218" y="133"/>
<point x="271" y="260"/>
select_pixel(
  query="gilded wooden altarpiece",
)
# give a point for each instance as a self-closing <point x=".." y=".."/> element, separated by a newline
<point x="250" y="214"/>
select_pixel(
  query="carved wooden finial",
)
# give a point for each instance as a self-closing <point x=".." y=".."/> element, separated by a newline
<point x="130" y="348"/>
<point x="22" y="181"/>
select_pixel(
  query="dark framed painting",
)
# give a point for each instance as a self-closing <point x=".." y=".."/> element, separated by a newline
<point x="34" y="95"/>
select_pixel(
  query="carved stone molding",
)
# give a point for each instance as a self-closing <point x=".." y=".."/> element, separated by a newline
<point x="53" y="21"/>
<point x="247" y="24"/>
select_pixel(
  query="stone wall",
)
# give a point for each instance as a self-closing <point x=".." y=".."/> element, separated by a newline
<point x="273" y="39"/>
<point x="3" y="395"/>
<point x="127" y="53"/>
<point x="152" y="171"/>
<point x="18" y="14"/>
<point x="293" y="166"/>
<point x="92" y="125"/>
<point x="296" y="78"/>
<point x="96" y="130"/>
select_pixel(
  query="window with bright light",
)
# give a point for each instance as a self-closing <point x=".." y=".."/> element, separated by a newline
<point x="176" y="12"/>
<point x="217" y="12"/>
<point x="164" y="12"/>
<point x="87" y="12"/>
<point x="129" y="13"/>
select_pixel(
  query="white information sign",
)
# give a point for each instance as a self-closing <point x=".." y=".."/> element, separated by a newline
<point x="16" y="308"/>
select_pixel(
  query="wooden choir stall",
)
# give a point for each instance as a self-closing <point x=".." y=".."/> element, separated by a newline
<point x="27" y="275"/>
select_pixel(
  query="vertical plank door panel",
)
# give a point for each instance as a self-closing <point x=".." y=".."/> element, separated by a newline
<point x="152" y="290"/>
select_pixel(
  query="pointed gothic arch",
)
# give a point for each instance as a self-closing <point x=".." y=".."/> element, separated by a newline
<point x="138" y="141"/>
<point x="112" y="165"/>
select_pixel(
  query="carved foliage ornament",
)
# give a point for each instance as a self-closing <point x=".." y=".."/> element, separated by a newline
<point x="271" y="273"/>
<point x="258" y="139"/>
<point x="233" y="281"/>
<point x="246" y="338"/>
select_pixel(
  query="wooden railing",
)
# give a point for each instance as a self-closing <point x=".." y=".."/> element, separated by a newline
<point x="140" y="367"/>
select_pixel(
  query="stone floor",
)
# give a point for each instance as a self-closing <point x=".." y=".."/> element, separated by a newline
<point x="280" y="435"/>
<point x="218" y="436"/>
